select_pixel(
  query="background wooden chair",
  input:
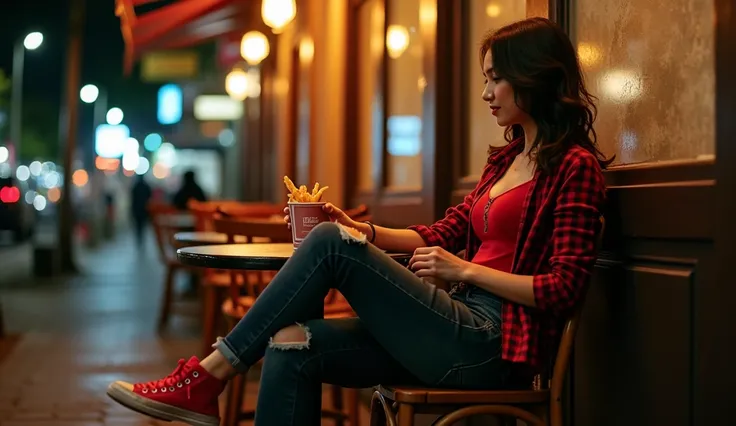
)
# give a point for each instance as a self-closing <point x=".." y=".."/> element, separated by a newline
<point x="165" y="224"/>
<point x="541" y="405"/>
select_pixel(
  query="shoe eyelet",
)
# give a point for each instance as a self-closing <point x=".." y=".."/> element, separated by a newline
<point x="154" y="391"/>
<point x="144" y="390"/>
<point x="163" y="390"/>
<point x="171" y="389"/>
<point x="195" y="374"/>
<point x="187" y="381"/>
<point x="178" y="385"/>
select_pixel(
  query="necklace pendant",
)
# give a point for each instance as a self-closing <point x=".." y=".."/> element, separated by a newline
<point x="485" y="214"/>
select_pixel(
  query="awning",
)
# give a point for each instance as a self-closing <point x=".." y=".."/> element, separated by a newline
<point x="181" y="24"/>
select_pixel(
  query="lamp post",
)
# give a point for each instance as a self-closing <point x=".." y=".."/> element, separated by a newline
<point x="31" y="42"/>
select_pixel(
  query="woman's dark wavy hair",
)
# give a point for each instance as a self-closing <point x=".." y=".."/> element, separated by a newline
<point x="537" y="58"/>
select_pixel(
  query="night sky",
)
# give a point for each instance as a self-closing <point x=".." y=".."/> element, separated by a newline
<point x="102" y="59"/>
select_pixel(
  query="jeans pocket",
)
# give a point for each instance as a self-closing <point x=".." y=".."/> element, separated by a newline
<point x="488" y="325"/>
<point x="491" y="373"/>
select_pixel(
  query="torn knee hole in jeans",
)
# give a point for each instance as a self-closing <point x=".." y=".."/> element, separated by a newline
<point x="293" y="337"/>
<point x="351" y="235"/>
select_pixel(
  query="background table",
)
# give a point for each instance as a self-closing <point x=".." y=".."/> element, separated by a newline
<point x="203" y="238"/>
<point x="268" y="257"/>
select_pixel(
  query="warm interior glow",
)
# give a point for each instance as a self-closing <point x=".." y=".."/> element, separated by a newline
<point x="306" y="50"/>
<point x="397" y="40"/>
<point x="493" y="10"/>
<point x="254" y="47"/>
<point x="589" y="54"/>
<point x="277" y="14"/>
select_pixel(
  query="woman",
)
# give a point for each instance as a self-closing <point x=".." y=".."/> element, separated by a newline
<point x="529" y="230"/>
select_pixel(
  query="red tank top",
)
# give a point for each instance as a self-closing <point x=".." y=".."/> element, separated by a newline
<point x="498" y="233"/>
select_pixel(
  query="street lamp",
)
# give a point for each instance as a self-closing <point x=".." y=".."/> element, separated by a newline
<point x="89" y="93"/>
<point x="114" y="116"/>
<point x="31" y="42"/>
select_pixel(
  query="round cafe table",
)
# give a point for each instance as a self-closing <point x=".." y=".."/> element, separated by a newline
<point x="259" y="257"/>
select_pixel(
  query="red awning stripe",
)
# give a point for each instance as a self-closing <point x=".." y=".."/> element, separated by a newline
<point x="181" y="24"/>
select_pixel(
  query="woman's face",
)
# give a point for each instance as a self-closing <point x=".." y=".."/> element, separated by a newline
<point x="500" y="96"/>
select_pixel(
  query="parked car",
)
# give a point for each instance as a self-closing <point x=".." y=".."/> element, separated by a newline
<point x="16" y="215"/>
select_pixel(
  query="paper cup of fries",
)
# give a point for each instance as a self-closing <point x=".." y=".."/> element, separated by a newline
<point x="305" y="209"/>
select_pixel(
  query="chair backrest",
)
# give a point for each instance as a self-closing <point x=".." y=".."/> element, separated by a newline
<point x="359" y="214"/>
<point x="158" y="212"/>
<point x="564" y="351"/>
<point x="252" y="210"/>
<point x="253" y="228"/>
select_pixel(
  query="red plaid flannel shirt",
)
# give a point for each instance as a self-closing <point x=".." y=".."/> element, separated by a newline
<point x="556" y="244"/>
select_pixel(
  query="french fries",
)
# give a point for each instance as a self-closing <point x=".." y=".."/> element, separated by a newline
<point x="302" y="194"/>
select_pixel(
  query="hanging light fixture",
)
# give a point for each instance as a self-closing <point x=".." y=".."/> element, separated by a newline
<point x="397" y="40"/>
<point x="278" y="13"/>
<point x="236" y="84"/>
<point x="254" y="47"/>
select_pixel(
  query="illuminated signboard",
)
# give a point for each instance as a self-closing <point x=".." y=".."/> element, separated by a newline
<point x="170" y="104"/>
<point x="217" y="107"/>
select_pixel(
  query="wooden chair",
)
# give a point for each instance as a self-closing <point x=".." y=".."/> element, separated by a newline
<point x="238" y="305"/>
<point x="539" y="406"/>
<point x="205" y="211"/>
<point x="164" y="232"/>
<point x="252" y="210"/>
<point x="360" y="213"/>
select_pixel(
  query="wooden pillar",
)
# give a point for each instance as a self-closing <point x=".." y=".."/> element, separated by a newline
<point x="70" y="120"/>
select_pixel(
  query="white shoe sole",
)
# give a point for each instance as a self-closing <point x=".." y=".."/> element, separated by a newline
<point x="157" y="409"/>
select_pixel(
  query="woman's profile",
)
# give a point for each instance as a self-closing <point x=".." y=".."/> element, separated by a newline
<point x="528" y="230"/>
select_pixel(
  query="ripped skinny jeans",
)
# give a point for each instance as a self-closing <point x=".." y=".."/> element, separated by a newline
<point x="406" y="330"/>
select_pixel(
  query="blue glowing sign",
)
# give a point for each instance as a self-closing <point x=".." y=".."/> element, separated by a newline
<point x="170" y="104"/>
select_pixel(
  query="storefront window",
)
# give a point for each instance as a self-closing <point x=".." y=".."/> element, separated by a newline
<point x="651" y="65"/>
<point x="406" y="85"/>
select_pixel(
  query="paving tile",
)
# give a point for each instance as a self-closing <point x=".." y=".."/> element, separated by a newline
<point x="81" y="333"/>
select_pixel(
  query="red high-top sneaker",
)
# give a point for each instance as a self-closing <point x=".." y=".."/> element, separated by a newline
<point x="188" y="395"/>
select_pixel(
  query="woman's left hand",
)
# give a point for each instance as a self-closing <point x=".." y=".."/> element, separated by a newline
<point x="437" y="262"/>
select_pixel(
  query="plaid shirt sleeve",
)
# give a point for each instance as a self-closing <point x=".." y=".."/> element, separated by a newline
<point x="576" y="227"/>
<point x="450" y="232"/>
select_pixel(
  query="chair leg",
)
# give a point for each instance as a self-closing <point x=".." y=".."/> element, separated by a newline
<point x="406" y="415"/>
<point x="234" y="400"/>
<point x="210" y="312"/>
<point x="337" y="403"/>
<point x="167" y="299"/>
<point x="353" y="406"/>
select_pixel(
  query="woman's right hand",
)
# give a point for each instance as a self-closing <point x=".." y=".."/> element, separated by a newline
<point x="335" y="214"/>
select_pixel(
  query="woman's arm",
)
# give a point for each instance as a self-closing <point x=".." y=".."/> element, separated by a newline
<point x="393" y="240"/>
<point x="448" y="232"/>
<point x="516" y="288"/>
